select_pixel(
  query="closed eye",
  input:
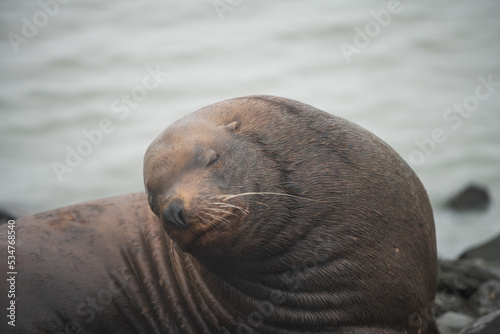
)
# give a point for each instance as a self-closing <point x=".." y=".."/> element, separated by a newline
<point x="213" y="157"/>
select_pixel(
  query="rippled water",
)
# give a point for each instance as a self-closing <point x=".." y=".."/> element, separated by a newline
<point x="63" y="74"/>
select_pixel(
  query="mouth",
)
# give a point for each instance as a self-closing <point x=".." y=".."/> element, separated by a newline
<point x="209" y="236"/>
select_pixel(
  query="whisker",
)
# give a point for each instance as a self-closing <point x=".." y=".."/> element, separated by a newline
<point x="228" y="205"/>
<point x="205" y="220"/>
<point x="221" y="210"/>
<point x="258" y="202"/>
<point x="174" y="259"/>
<point x="222" y="220"/>
<point x="228" y="197"/>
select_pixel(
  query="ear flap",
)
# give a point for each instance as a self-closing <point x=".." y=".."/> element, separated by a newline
<point x="233" y="126"/>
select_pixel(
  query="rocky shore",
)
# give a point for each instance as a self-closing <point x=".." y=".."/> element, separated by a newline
<point x="468" y="297"/>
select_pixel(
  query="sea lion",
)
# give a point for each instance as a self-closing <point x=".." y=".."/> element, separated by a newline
<point x="273" y="197"/>
<point x="270" y="216"/>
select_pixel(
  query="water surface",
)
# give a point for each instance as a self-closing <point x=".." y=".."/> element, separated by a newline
<point x="78" y="68"/>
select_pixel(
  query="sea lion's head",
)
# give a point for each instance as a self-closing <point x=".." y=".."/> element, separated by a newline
<point x="185" y="174"/>
<point x="223" y="179"/>
<point x="199" y="175"/>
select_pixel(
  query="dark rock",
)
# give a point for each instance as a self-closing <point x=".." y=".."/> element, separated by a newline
<point x="489" y="251"/>
<point x="463" y="277"/>
<point x="467" y="289"/>
<point x="489" y="324"/>
<point x="453" y="322"/>
<point x="445" y="302"/>
<point x="486" y="299"/>
<point x="471" y="198"/>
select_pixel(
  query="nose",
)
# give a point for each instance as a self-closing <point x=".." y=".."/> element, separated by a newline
<point x="174" y="214"/>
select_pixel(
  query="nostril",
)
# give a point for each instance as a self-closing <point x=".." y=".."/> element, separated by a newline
<point x="174" y="214"/>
